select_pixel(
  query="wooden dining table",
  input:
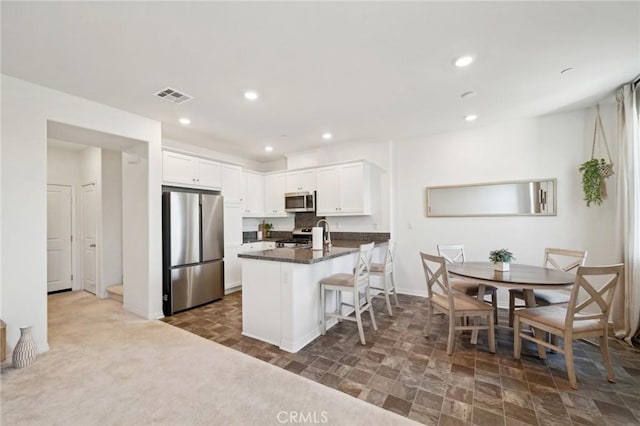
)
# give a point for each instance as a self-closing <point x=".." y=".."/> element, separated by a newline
<point x="525" y="277"/>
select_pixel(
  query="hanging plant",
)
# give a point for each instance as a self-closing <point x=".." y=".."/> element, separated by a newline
<point x="592" y="181"/>
<point x="595" y="171"/>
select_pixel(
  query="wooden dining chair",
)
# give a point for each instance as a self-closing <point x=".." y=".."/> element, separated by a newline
<point x="560" y="259"/>
<point x="455" y="253"/>
<point x="443" y="299"/>
<point x="586" y="315"/>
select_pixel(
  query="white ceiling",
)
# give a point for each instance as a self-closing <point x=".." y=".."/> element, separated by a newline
<point x="364" y="71"/>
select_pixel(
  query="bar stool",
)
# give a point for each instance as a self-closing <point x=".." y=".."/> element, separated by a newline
<point x="356" y="283"/>
<point x="384" y="270"/>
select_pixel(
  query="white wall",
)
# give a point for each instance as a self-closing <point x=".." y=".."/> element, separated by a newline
<point x="548" y="147"/>
<point x="111" y="219"/>
<point x="26" y="108"/>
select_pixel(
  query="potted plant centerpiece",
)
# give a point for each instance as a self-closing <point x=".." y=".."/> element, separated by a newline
<point x="501" y="259"/>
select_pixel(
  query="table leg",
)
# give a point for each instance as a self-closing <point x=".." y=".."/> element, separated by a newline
<point x="476" y="321"/>
<point x="530" y="302"/>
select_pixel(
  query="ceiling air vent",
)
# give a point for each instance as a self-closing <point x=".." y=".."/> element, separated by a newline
<point x="174" y="96"/>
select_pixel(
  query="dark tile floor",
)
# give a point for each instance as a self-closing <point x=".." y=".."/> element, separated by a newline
<point x="404" y="372"/>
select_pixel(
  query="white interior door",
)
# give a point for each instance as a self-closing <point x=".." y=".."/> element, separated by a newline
<point x="58" y="237"/>
<point x="89" y="232"/>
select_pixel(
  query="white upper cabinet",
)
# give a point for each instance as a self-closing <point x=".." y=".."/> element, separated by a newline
<point x="186" y="170"/>
<point x="252" y="194"/>
<point x="344" y="190"/>
<point x="232" y="183"/>
<point x="275" y="186"/>
<point x="301" y="181"/>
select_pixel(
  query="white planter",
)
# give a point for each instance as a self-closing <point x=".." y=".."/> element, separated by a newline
<point x="501" y="266"/>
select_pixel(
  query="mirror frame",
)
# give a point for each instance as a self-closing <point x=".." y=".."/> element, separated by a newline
<point x="552" y="213"/>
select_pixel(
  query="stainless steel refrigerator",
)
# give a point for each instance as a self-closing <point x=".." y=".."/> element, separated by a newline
<point x="192" y="248"/>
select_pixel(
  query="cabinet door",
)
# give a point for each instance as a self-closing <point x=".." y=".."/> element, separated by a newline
<point x="352" y="190"/>
<point x="293" y="182"/>
<point x="178" y="168"/>
<point x="232" y="224"/>
<point x="253" y="195"/>
<point x="231" y="183"/>
<point x="308" y="180"/>
<point x="209" y="174"/>
<point x="328" y="187"/>
<point x="275" y="186"/>
<point x="232" y="268"/>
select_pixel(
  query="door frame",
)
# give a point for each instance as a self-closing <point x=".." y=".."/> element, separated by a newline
<point x="98" y="265"/>
<point x="74" y="235"/>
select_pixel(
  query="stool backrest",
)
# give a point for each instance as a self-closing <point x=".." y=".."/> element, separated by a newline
<point x="362" y="267"/>
<point x="451" y="252"/>
<point x="564" y="260"/>
<point x="388" y="256"/>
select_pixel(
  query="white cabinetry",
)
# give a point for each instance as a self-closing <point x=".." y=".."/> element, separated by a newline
<point x="275" y="186"/>
<point x="301" y="181"/>
<point x="344" y="190"/>
<point x="252" y="194"/>
<point x="186" y="170"/>
<point x="232" y="183"/>
<point x="233" y="264"/>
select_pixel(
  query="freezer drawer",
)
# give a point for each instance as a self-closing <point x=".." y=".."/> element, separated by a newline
<point x="195" y="285"/>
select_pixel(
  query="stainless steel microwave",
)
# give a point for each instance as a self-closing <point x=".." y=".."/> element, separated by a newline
<point x="300" y="202"/>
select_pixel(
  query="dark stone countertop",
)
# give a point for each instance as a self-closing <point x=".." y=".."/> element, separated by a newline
<point x="300" y="255"/>
<point x="306" y="255"/>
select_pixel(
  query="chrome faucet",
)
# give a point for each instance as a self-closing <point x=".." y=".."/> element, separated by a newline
<point x="327" y="240"/>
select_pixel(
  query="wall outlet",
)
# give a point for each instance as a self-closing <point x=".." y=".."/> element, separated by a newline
<point x="337" y="225"/>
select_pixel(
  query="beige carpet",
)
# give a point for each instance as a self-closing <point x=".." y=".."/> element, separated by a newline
<point x="109" y="367"/>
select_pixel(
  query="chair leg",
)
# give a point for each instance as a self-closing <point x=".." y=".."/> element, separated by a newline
<point x="323" y="308"/>
<point x="512" y="304"/>
<point x="604" y="349"/>
<point x="492" y="333"/>
<point x="542" y="351"/>
<point x="452" y="334"/>
<point x="339" y="300"/>
<point x="494" y="302"/>
<point x="385" y="286"/>
<point x="370" y="303"/>
<point x="427" y="329"/>
<point x="568" y="359"/>
<point x="517" y="340"/>
<point x="356" y="306"/>
<point x="393" y="286"/>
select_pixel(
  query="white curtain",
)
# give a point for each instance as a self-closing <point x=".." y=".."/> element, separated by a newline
<point x="626" y="306"/>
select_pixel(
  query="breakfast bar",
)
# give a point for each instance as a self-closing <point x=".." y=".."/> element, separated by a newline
<point x="281" y="294"/>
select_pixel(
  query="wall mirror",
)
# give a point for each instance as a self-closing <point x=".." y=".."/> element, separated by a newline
<point x="510" y="198"/>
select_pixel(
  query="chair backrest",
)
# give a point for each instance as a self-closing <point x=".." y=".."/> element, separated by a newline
<point x="451" y="252"/>
<point x="558" y="258"/>
<point x="598" y="285"/>
<point x="437" y="276"/>
<point x="388" y="256"/>
<point x="362" y="267"/>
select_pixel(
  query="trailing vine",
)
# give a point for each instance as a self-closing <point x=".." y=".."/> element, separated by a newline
<point x="593" y="184"/>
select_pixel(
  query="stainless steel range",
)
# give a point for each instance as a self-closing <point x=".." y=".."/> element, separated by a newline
<point x="301" y="238"/>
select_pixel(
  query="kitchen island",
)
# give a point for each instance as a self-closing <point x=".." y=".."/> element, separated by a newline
<point x="281" y="292"/>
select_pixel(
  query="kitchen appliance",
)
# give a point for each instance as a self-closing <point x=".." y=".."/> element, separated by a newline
<point x="192" y="248"/>
<point x="301" y="238"/>
<point x="300" y="202"/>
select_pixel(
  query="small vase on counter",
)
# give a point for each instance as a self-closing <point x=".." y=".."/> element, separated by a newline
<point x="24" y="353"/>
<point x="501" y="266"/>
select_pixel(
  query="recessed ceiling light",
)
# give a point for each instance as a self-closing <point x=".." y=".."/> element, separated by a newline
<point x="326" y="136"/>
<point x="566" y="70"/>
<point x="471" y="117"/>
<point x="463" y="61"/>
<point x="251" y="95"/>
<point x="268" y="148"/>
<point x="469" y="94"/>
<point x="184" y="121"/>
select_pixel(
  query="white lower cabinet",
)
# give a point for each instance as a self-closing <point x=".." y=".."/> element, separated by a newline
<point x="233" y="264"/>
